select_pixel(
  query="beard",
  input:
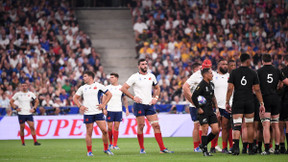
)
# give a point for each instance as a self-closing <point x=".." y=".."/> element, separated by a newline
<point x="223" y="71"/>
<point x="144" y="70"/>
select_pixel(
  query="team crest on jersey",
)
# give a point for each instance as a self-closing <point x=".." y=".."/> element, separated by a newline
<point x="139" y="112"/>
<point x="95" y="87"/>
<point x="28" y="95"/>
<point x="140" y="78"/>
<point x="109" y="118"/>
<point x="207" y="89"/>
<point x="150" y="78"/>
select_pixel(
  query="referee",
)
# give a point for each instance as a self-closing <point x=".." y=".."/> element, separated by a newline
<point x="269" y="78"/>
<point x="206" y="114"/>
<point x="241" y="81"/>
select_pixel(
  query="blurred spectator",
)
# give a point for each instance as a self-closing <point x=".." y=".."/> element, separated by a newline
<point x="4" y="103"/>
<point x="47" y="107"/>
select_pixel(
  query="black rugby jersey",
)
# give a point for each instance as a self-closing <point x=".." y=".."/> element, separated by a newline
<point x="243" y="78"/>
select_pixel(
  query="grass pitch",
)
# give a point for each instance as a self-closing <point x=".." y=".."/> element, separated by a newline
<point x="75" y="150"/>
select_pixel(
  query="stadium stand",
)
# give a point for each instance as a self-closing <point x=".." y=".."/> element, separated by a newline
<point x="41" y="40"/>
<point x="174" y="34"/>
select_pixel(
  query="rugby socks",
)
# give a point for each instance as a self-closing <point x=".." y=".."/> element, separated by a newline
<point x="236" y="143"/>
<point x="259" y="145"/>
<point x="210" y="137"/>
<point x="158" y="137"/>
<point x="200" y="135"/>
<point x="245" y="144"/>
<point x="282" y="146"/>
<point x="267" y="147"/>
<point x="141" y="140"/>
<point x="250" y="147"/>
<point x="196" y="144"/>
<point x="116" y="133"/>
<point x="270" y="145"/>
<point x="214" y="142"/>
<point x="110" y="134"/>
<point x="22" y="139"/>
<point x="34" y="138"/>
<point x="287" y="138"/>
<point x="230" y="140"/>
<point x="276" y="147"/>
<point x="254" y="142"/>
<point x="89" y="148"/>
<point x="204" y="143"/>
<point x="224" y="145"/>
<point x="105" y="146"/>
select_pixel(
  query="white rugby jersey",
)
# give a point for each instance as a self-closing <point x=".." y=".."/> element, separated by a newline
<point x="142" y="86"/>
<point x="24" y="101"/>
<point x="193" y="82"/>
<point x="91" y="97"/>
<point x="221" y="84"/>
<point x="115" y="103"/>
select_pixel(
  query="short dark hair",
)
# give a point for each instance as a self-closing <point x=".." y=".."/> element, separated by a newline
<point x="204" y="71"/>
<point x="231" y="60"/>
<point x="115" y="74"/>
<point x="222" y="60"/>
<point x="89" y="73"/>
<point x="266" y="57"/>
<point x="195" y="65"/>
<point x="244" y="57"/>
<point x="141" y="60"/>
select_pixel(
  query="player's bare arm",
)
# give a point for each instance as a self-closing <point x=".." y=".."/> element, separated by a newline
<point x="187" y="92"/>
<point x="257" y="90"/>
<point x="35" y="105"/>
<point x="228" y="96"/>
<point x="15" y="107"/>
<point x="106" y="99"/>
<point x="285" y="81"/>
<point x="125" y="88"/>
<point x="156" y="94"/>
<point x="216" y="106"/>
<point x="77" y="102"/>
<point x="105" y="109"/>
<point x="125" y="102"/>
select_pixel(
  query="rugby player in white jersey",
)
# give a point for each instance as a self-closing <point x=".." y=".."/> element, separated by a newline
<point x="188" y="88"/>
<point x="143" y="83"/>
<point x="220" y="80"/>
<point x="114" y="110"/>
<point x="27" y="104"/>
<point x="93" y="110"/>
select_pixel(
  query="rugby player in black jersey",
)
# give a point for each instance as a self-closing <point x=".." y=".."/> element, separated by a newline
<point x="241" y="81"/>
<point x="269" y="78"/>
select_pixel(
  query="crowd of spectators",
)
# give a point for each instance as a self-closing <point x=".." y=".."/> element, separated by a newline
<point x="41" y="40"/>
<point x="173" y="34"/>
